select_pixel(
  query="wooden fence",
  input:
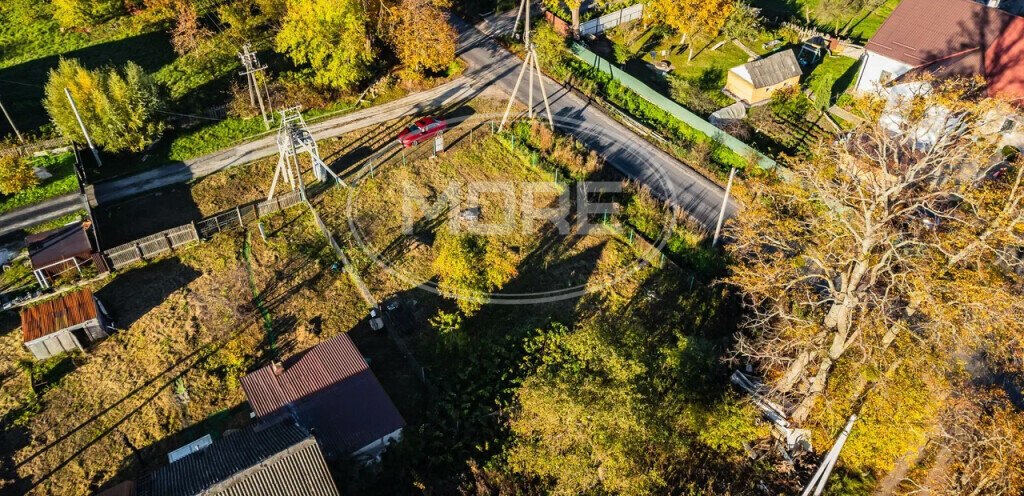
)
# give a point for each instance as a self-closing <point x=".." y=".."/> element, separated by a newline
<point x="177" y="237"/>
<point x="38" y="146"/>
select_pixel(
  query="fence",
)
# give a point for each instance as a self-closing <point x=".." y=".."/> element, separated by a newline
<point x="177" y="237"/>
<point x="608" y="21"/>
<point x="670" y="106"/>
<point x="38" y="146"/>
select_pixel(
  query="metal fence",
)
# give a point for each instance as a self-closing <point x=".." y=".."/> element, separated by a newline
<point x="177" y="237"/>
<point x="608" y="21"/>
<point x="670" y="106"/>
<point x="38" y="146"/>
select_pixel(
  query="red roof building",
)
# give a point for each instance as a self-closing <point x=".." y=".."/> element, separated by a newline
<point x="330" y="390"/>
<point x="946" y="38"/>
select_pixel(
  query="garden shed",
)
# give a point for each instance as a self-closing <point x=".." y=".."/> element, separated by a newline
<point x="66" y="248"/>
<point x="67" y="323"/>
<point x="754" y="82"/>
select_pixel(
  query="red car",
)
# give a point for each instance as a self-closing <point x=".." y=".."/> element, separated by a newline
<point x="422" y="130"/>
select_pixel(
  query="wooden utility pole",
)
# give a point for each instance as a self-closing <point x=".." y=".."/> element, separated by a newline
<point x="11" y="122"/>
<point x="252" y="68"/>
<point x="85" y="132"/>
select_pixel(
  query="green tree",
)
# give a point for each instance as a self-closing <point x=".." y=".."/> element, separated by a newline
<point x="119" y="108"/>
<point x="332" y="37"/>
<point x="470" y="266"/>
<point x="86" y="13"/>
<point x="15" y="174"/>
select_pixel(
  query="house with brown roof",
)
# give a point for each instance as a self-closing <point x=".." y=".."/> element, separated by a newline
<point x="755" y="81"/>
<point x="64" y="324"/>
<point x="330" y="390"/>
<point x="65" y="249"/>
<point x="947" y="38"/>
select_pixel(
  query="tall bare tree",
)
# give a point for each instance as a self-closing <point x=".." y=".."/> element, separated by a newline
<point x="889" y="243"/>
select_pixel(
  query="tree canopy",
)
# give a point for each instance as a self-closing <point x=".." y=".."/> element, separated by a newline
<point x="422" y="37"/>
<point x="118" y="107"/>
<point x="879" y="260"/>
<point x="332" y="37"/>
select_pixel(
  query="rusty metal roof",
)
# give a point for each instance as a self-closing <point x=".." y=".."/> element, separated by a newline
<point x="921" y="32"/>
<point x="58" y="244"/>
<point x="330" y="390"/>
<point x="59" y="313"/>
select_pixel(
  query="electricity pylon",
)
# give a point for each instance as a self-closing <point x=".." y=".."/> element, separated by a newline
<point x="294" y="139"/>
<point x="252" y="68"/>
<point x="530" y="62"/>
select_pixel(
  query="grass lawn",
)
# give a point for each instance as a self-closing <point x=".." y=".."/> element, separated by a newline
<point x="863" y="25"/>
<point x="842" y="70"/>
<point x="61" y="167"/>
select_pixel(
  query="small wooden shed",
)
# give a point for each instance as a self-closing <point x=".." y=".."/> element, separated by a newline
<point x="67" y="323"/>
<point x="754" y="82"/>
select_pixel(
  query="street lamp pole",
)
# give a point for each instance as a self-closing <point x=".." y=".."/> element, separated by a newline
<point x="725" y="202"/>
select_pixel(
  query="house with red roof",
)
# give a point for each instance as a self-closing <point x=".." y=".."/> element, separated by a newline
<point x="330" y="390"/>
<point x="947" y="38"/>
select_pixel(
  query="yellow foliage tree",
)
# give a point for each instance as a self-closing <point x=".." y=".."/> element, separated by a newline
<point x="696" y="21"/>
<point x="15" y="174"/>
<point x="422" y="37"/>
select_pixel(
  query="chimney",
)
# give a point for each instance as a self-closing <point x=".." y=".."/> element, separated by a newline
<point x="994" y="3"/>
<point x="277" y="368"/>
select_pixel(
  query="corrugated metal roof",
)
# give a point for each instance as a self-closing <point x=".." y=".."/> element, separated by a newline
<point x="773" y="69"/>
<point x="279" y="460"/>
<point x="58" y="244"/>
<point x="59" y="313"/>
<point x="920" y="32"/>
<point x="126" y="488"/>
<point x="329" y="389"/>
<point x="1004" y="62"/>
<point x="323" y="365"/>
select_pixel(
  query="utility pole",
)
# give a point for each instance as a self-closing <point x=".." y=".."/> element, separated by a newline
<point x="11" y="122"/>
<point x="252" y="68"/>
<point x="85" y="132"/>
<point x="293" y="140"/>
<point x="817" y="483"/>
<point x="530" y="62"/>
<point x="725" y="202"/>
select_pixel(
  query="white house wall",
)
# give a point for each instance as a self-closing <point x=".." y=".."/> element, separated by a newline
<point x="370" y="451"/>
<point x="873" y="67"/>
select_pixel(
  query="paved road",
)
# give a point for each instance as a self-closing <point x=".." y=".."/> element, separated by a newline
<point x="52" y="208"/>
<point x="490" y="66"/>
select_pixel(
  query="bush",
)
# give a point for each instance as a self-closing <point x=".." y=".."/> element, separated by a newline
<point x="15" y="175"/>
<point x="86" y="13"/>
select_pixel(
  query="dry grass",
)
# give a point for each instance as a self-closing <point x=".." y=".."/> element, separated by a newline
<point x="191" y="316"/>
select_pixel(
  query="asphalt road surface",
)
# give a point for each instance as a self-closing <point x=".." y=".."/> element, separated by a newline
<point x="490" y="67"/>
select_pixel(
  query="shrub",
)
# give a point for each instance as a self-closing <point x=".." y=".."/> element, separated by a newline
<point x="15" y="175"/>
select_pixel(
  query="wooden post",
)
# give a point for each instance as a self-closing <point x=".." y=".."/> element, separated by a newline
<point x="238" y="211"/>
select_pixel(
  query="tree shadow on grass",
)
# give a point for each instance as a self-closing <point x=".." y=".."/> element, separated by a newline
<point x="134" y="293"/>
<point x="22" y="84"/>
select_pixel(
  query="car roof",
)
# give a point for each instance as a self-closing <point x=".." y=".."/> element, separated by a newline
<point x="425" y="121"/>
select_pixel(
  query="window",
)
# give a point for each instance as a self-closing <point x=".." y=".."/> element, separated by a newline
<point x="1008" y="126"/>
<point x="885" y="77"/>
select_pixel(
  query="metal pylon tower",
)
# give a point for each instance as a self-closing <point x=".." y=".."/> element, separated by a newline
<point x="252" y="68"/>
<point x="530" y="61"/>
<point x="293" y="140"/>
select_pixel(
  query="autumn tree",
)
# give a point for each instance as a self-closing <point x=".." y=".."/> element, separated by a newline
<point x="85" y="13"/>
<point x="839" y="13"/>
<point x="878" y="258"/>
<point x="118" y="107"/>
<point x="469" y="266"/>
<point x="421" y="37"/>
<point x="16" y="174"/>
<point x="188" y="33"/>
<point x="696" y="21"/>
<point x="332" y="37"/>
